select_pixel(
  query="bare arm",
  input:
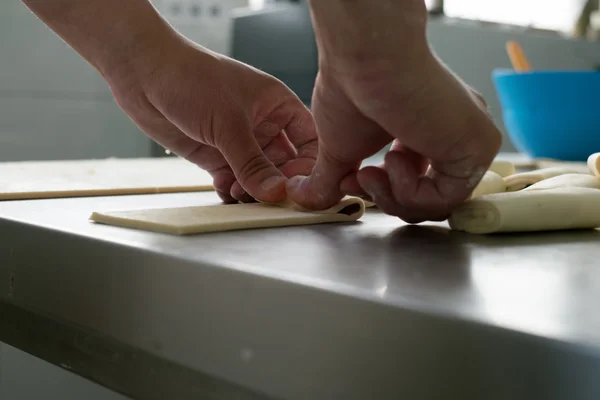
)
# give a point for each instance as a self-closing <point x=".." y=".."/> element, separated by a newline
<point x="110" y="34"/>
<point x="354" y="30"/>
<point x="379" y="82"/>
<point x="220" y="114"/>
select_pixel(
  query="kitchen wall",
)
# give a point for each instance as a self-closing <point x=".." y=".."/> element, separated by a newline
<point x="53" y="105"/>
<point x="473" y="51"/>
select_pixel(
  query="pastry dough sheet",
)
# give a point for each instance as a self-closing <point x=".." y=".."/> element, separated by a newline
<point x="521" y="180"/>
<point x="220" y="218"/>
<point x="529" y="210"/>
<point x="78" y="178"/>
<point x="567" y="180"/>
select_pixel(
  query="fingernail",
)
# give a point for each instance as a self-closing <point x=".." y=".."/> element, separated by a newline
<point x="272" y="183"/>
<point x="295" y="182"/>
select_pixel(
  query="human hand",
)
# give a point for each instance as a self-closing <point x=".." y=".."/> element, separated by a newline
<point x="246" y="128"/>
<point x="382" y="92"/>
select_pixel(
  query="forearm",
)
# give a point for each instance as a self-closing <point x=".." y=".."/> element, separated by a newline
<point x="355" y="29"/>
<point x="109" y="34"/>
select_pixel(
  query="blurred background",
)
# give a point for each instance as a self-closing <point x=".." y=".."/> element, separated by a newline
<point x="53" y="105"/>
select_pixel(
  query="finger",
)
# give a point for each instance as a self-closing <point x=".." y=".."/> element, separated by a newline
<point x="226" y="197"/>
<point x="223" y="180"/>
<point x="419" y="162"/>
<point x="253" y="170"/>
<point x="279" y="151"/>
<point x="378" y="184"/>
<point x="375" y="182"/>
<point x="425" y="197"/>
<point x="299" y="126"/>
<point x="240" y="194"/>
<point x="351" y="187"/>
<point x="321" y="189"/>
<point x="404" y="176"/>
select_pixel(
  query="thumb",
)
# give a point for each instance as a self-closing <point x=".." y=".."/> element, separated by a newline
<point x="321" y="189"/>
<point x="252" y="169"/>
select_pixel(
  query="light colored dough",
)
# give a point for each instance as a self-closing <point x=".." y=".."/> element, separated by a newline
<point x="527" y="211"/>
<point x="523" y="179"/>
<point x="580" y="166"/>
<point x="502" y="168"/>
<point x="593" y="164"/>
<point x="220" y="218"/>
<point x="490" y="183"/>
<point x="51" y="179"/>
<point x="567" y="180"/>
<point x="369" y="204"/>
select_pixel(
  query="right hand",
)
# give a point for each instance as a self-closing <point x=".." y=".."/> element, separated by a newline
<point x="396" y="91"/>
<point x="243" y="126"/>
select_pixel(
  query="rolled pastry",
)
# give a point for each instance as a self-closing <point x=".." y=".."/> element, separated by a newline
<point x="523" y="179"/>
<point x="567" y="180"/>
<point x="490" y="183"/>
<point x="593" y="164"/>
<point x="220" y="218"/>
<point x="369" y="204"/>
<point x="529" y="210"/>
<point x="503" y="168"/>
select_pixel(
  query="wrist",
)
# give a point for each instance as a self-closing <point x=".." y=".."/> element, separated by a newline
<point x="363" y="31"/>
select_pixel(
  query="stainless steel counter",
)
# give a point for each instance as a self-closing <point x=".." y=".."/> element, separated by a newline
<point x="371" y="310"/>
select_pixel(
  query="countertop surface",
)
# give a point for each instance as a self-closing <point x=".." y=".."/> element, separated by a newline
<point x="347" y="310"/>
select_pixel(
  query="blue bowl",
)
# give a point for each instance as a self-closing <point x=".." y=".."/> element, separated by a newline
<point x="551" y="114"/>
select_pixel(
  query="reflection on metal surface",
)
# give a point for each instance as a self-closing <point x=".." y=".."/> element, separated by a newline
<point x="381" y="291"/>
<point x="513" y="295"/>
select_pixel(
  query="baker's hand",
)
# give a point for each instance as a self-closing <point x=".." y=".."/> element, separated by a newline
<point x="443" y="139"/>
<point x="243" y="126"/>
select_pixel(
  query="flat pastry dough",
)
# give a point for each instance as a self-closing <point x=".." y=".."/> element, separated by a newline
<point x="529" y="210"/>
<point x="51" y="179"/>
<point x="490" y="183"/>
<point x="580" y="166"/>
<point x="220" y="218"/>
<point x="567" y="180"/>
<point x="502" y="168"/>
<point x="521" y="180"/>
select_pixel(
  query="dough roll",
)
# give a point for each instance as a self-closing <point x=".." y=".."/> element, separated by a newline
<point x="593" y="163"/>
<point x="490" y="183"/>
<point x="502" y="168"/>
<point x="528" y="211"/>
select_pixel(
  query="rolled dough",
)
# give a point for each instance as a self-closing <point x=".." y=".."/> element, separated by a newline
<point x="502" y="168"/>
<point x="593" y="164"/>
<point x="219" y="218"/>
<point x="521" y="180"/>
<point x="529" y="210"/>
<point x="490" y="183"/>
<point x="567" y="180"/>
<point x="51" y="179"/>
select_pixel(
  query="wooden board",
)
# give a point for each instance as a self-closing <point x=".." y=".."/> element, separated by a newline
<point x="82" y="178"/>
